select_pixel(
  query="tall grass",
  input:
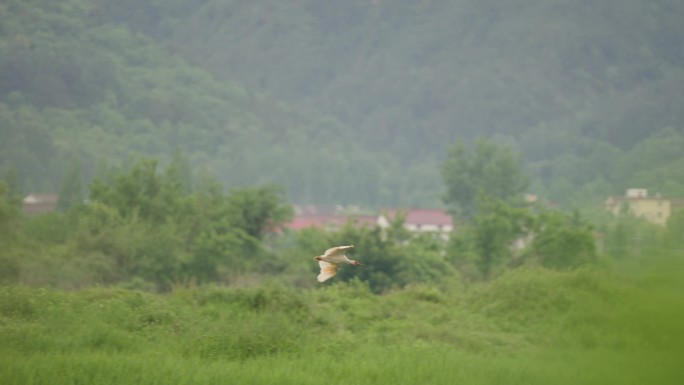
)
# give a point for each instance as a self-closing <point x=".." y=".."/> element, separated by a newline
<point x="530" y="326"/>
<point x="367" y="365"/>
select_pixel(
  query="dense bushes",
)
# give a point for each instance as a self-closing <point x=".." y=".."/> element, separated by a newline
<point x="144" y="228"/>
<point x="585" y="318"/>
<point x="521" y="310"/>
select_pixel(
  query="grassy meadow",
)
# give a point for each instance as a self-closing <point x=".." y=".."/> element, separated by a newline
<point x="528" y="326"/>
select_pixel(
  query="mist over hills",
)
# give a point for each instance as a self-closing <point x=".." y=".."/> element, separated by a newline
<point x="348" y="101"/>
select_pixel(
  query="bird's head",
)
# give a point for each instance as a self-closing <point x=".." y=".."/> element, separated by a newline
<point x="357" y="263"/>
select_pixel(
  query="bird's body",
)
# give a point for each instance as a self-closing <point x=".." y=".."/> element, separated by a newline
<point x="332" y="259"/>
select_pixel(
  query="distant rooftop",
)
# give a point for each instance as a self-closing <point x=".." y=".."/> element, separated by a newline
<point x="38" y="203"/>
<point x="416" y="216"/>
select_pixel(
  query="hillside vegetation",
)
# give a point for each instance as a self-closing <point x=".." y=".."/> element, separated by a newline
<point x="347" y="102"/>
<point x="74" y="86"/>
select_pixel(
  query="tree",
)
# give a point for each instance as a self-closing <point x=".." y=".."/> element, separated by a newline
<point x="9" y="213"/>
<point x="494" y="229"/>
<point x="9" y="209"/>
<point x="489" y="169"/>
<point x="259" y="210"/>
<point x="179" y="171"/>
<point x="71" y="191"/>
<point x="561" y="241"/>
<point x="675" y="230"/>
<point x="141" y="191"/>
<point x="228" y="230"/>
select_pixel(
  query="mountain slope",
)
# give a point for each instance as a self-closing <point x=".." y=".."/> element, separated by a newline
<point x="71" y="84"/>
<point x="363" y="96"/>
<point x="412" y="77"/>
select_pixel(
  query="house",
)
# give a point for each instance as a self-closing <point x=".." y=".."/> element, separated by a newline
<point x="334" y="217"/>
<point x="636" y="201"/>
<point x="419" y="220"/>
<point x="330" y="222"/>
<point x="329" y="217"/>
<point x="39" y="203"/>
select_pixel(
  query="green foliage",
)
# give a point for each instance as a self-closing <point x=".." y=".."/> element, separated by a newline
<point x="97" y="79"/>
<point x="489" y="168"/>
<point x="578" y="323"/>
<point x="147" y="228"/>
<point x="675" y="230"/>
<point x="561" y="241"/>
<point x="487" y="241"/>
<point x="393" y="260"/>
<point x="9" y="208"/>
<point x="142" y="192"/>
<point x="627" y="237"/>
<point x="486" y="188"/>
<point x="259" y="210"/>
<point x="9" y="214"/>
<point x="71" y="192"/>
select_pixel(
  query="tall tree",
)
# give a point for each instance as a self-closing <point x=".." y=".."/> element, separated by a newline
<point x="141" y="191"/>
<point x="494" y="230"/>
<point x="9" y="208"/>
<point x="71" y="191"/>
<point x="562" y="241"/>
<point x="259" y="210"/>
<point x="489" y="169"/>
<point x="9" y="213"/>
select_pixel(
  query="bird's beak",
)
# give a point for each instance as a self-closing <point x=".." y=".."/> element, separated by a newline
<point x="361" y="264"/>
<point x="317" y="258"/>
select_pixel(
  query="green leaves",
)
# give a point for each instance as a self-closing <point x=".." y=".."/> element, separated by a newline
<point x="489" y="169"/>
<point x="486" y="187"/>
<point x="561" y="241"/>
<point x="9" y="207"/>
<point x="259" y="210"/>
<point x="394" y="260"/>
<point x="153" y="226"/>
<point x="71" y="191"/>
<point x="488" y="239"/>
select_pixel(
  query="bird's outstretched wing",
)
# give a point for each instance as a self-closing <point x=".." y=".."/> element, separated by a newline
<point x="328" y="270"/>
<point x="339" y="250"/>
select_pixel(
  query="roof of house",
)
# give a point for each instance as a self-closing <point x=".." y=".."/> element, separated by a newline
<point x="416" y="216"/>
<point x="40" y="198"/>
<point x="654" y="197"/>
<point x="313" y="210"/>
<point x="38" y="203"/>
<point x="305" y="221"/>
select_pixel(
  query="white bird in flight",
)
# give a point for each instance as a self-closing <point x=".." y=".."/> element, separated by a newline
<point x="332" y="259"/>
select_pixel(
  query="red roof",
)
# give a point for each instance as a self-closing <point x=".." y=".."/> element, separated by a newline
<point x="38" y="203"/>
<point x="422" y="216"/>
<point x="304" y="221"/>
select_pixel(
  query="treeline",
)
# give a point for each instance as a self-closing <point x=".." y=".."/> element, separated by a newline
<point x="150" y="227"/>
<point x="146" y="228"/>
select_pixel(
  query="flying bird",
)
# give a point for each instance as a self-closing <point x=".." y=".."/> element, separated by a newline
<point x="332" y="259"/>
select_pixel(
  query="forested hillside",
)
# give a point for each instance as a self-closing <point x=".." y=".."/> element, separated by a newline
<point x="73" y="85"/>
<point x="348" y="101"/>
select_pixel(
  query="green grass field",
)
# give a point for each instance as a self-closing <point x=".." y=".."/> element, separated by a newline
<point x="530" y="326"/>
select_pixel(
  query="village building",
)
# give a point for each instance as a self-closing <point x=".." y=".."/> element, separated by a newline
<point x="636" y="201"/>
<point x="39" y="203"/>
<point x="329" y="218"/>
<point x="332" y="218"/>
<point x="419" y="220"/>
